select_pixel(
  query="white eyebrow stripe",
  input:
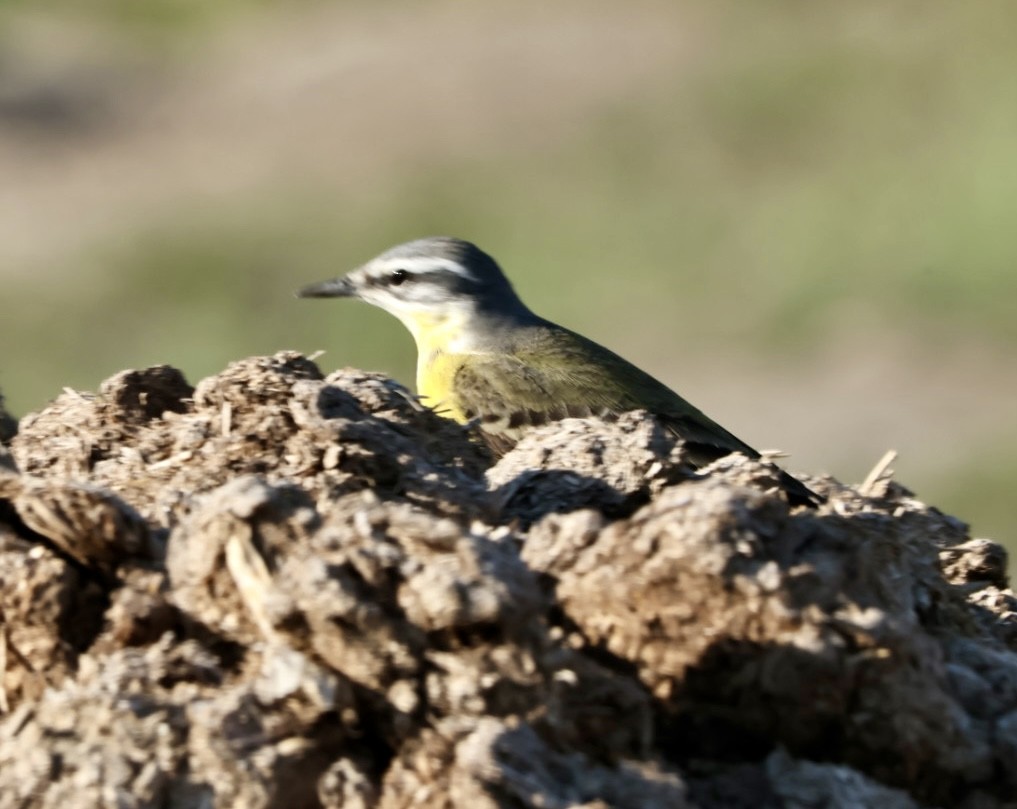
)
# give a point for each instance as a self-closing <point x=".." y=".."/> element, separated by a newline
<point x="422" y="264"/>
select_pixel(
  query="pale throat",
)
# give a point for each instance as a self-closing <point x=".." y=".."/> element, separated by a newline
<point x="441" y="337"/>
<point x="450" y="331"/>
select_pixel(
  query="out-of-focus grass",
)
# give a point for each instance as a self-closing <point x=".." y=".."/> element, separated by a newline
<point x="165" y="19"/>
<point x="841" y="163"/>
<point x="780" y="184"/>
<point x="981" y="490"/>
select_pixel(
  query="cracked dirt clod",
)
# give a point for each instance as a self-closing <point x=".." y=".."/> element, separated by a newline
<point x="83" y="522"/>
<point x="283" y="589"/>
<point x="613" y="466"/>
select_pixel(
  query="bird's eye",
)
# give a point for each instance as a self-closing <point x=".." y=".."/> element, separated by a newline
<point x="397" y="277"/>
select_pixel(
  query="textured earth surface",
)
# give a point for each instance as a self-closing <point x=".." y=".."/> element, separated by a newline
<point x="281" y="589"/>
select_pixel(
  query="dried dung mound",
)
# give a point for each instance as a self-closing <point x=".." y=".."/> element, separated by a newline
<point x="281" y="589"/>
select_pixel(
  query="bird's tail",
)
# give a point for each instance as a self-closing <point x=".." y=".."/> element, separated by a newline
<point x="798" y="494"/>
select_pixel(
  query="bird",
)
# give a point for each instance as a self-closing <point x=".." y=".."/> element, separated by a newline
<point x="484" y="358"/>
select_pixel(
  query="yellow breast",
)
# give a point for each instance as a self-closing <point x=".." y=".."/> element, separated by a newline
<point x="435" y="376"/>
<point x="437" y="361"/>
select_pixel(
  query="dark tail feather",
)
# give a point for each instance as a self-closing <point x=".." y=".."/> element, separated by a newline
<point x="798" y="494"/>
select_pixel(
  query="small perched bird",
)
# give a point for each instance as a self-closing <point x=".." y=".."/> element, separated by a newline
<point x="484" y="357"/>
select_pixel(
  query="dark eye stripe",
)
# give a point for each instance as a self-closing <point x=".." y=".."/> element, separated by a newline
<point x="398" y="276"/>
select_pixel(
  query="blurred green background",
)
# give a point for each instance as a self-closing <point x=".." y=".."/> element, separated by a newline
<point x="801" y="216"/>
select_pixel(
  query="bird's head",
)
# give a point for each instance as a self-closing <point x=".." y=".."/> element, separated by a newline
<point x="427" y="283"/>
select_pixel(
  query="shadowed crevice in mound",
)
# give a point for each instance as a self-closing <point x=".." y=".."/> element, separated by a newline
<point x="313" y="591"/>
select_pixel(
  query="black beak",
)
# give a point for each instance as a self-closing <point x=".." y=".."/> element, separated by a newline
<point x="334" y="288"/>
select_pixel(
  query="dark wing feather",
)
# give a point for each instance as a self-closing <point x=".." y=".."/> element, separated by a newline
<point x="553" y="373"/>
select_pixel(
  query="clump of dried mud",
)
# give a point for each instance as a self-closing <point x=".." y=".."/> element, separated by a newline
<point x="279" y="589"/>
